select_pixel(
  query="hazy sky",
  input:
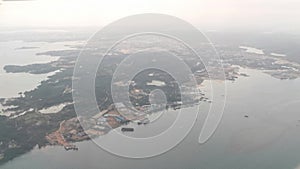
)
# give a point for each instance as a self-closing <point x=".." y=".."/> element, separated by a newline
<point x="270" y="15"/>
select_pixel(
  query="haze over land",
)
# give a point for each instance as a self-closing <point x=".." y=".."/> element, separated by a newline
<point x="258" y="44"/>
<point x="263" y="15"/>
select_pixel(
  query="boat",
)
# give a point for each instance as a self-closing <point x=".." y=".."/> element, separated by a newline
<point x="127" y="129"/>
<point x="144" y="122"/>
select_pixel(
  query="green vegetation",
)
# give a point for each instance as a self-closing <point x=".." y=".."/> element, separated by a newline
<point x="33" y="69"/>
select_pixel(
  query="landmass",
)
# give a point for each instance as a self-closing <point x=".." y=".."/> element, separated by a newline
<point x="27" y="127"/>
<point x="27" y="47"/>
<point x="32" y="69"/>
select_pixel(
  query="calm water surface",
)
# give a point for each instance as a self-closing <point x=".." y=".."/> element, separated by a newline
<point x="12" y="54"/>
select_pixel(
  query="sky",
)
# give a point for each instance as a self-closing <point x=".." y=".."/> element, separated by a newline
<point x="270" y="15"/>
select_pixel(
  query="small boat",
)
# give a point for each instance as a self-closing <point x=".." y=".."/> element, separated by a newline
<point x="144" y="122"/>
<point x="127" y="129"/>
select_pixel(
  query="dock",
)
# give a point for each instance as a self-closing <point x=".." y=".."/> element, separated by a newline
<point x="70" y="147"/>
